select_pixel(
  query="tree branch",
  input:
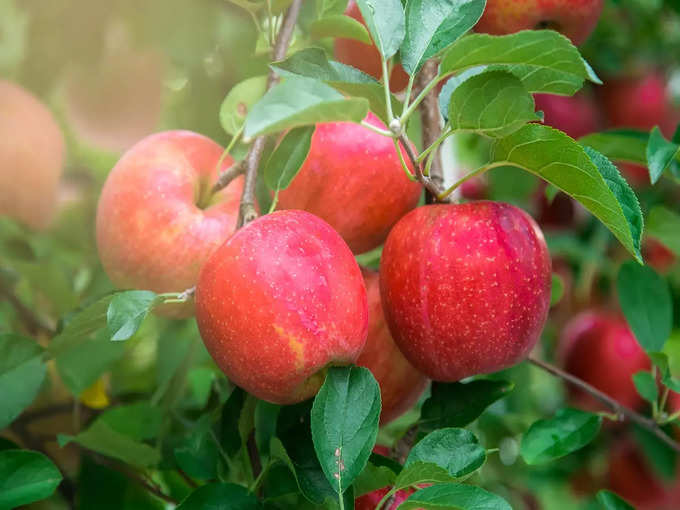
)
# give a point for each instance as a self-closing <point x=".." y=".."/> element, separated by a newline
<point x="431" y="126"/>
<point x="247" y="209"/>
<point x="621" y="410"/>
<point x="34" y="325"/>
<point x="227" y="176"/>
<point x="428" y="183"/>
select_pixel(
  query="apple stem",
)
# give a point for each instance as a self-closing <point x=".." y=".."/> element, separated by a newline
<point x="247" y="208"/>
<point x="227" y="176"/>
<point x="620" y="410"/>
<point x="428" y="183"/>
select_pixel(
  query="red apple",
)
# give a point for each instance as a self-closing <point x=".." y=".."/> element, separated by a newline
<point x="281" y="301"/>
<point x="657" y="255"/>
<point x="370" y="501"/>
<point x="465" y="288"/>
<point x="156" y="220"/>
<point x="640" y="102"/>
<point x="636" y="175"/>
<point x="400" y="384"/>
<point x="632" y="478"/>
<point x="577" y="115"/>
<point x="352" y="178"/>
<point x="476" y="188"/>
<point x="31" y="157"/>
<point x="113" y="107"/>
<point x="366" y="57"/>
<point x="574" y="18"/>
<point x="599" y="348"/>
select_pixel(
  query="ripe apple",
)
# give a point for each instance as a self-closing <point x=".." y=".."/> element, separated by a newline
<point x="366" y="57"/>
<point x="657" y="255"/>
<point x="640" y="102"/>
<point x="281" y="301"/>
<point x="157" y="222"/>
<point x="400" y="384"/>
<point x="370" y="501"/>
<point x="632" y="478"/>
<point x="636" y="175"/>
<point x="352" y="178"/>
<point x="577" y="115"/>
<point x="599" y="348"/>
<point x="31" y="157"/>
<point x="476" y="188"/>
<point x="465" y="288"/>
<point x="574" y="18"/>
<point x="116" y="105"/>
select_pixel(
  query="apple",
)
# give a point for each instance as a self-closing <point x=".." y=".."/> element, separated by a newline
<point x="400" y="384"/>
<point x="353" y="179"/>
<point x="574" y="18"/>
<point x="600" y="348"/>
<point x="32" y="156"/>
<point x="370" y="501"/>
<point x="657" y="255"/>
<point x="632" y="478"/>
<point x="366" y="57"/>
<point x="113" y="107"/>
<point x="465" y="288"/>
<point x="636" y="175"/>
<point x="577" y="115"/>
<point x="157" y="222"/>
<point x="476" y="188"/>
<point x="279" y="302"/>
<point x="640" y="102"/>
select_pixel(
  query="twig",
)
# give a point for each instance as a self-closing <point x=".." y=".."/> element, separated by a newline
<point x="254" y="455"/>
<point x="227" y="176"/>
<point x="247" y="209"/>
<point x="431" y="126"/>
<point x="34" y="325"/>
<point x="403" y="447"/>
<point x="616" y="406"/>
<point x="428" y="183"/>
<point x="190" y="482"/>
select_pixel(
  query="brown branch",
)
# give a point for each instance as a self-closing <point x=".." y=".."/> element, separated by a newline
<point x="254" y="455"/>
<point x="428" y="183"/>
<point x="617" y="407"/>
<point x="247" y="209"/>
<point x="431" y="125"/>
<point x="227" y="176"/>
<point x="34" y="325"/>
<point x="404" y="445"/>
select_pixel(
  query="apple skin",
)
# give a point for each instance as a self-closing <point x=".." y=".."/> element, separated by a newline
<point x="366" y="57"/>
<point x="465" y="288"/>
<point x="400" y="383"/>
<point x="32" y="153"/>
<point x="657" y="255"/>
<point x="151" y="234"/>
<point x="279" y="302"/>
<point x="593" y="340"/>
<point x="333" y="183"/>
<point x="574" y="18"/>
<point x="636" y="175"/>
<point x="577" y="115"/>
<point x="370" y="501"/>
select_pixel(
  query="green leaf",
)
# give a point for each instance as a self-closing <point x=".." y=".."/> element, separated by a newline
<point x="345" y="423"/>
<point x="456" y="450"/>
<point x="266" y="415"/>
<point x="660" y="154"/>
<point x="22" y="372"/>
<point x="454" y="496"/>
<point x="433" y="25"/>
<point x="664" y="225"/>
<point x="385" y="21"/>
<point x="220" y="496"/>
<point x="421" y="473"/>
<point x="373" y="478"/>
<point x="25" y="477"/>
<point x="543" y="60"/>
<point x="101" y="438"/>
<point x="197" y="454"/>
<point x="313" y="63"/>
<point x="288" y="157"/>
<point x="556" y="289"/>
<point x="127" y="311"/>
<point x="611" y="501"/>
<point x="661" y="361"/>
<point x="138" y="421"/>
<point x="339" y="25"/>
<point x="239" y="101"/>
<point x="583" y="174"/>
<point x="661" y="457"/>
<point x="645" y="384"/>
<point x="493" y="103"/>
<point x="569" y="430"/>
<point x="619" y="145"/>
<point x="301" y="102"/>
<point x="80" y="326"/>
<point x="646" y="303"/>
<point x="459" y="404"/>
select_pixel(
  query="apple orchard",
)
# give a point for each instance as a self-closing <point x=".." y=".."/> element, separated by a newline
<point x="370" y="254"/>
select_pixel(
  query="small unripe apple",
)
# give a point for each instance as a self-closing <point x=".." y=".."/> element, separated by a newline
<point x="574" y="18"/>
<point x="599" y="348"/>
<point x="465" y="288"/>
<point x="281" y="301"/>
<point x="576" y="115"/>
<point x="366" y="57"/>
<point x="353" y="179"/>
<point x="31" y="157"/>
<point x="157" y="222"/>
<point x="400" y="383"/>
